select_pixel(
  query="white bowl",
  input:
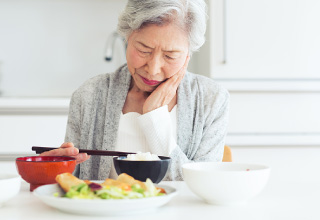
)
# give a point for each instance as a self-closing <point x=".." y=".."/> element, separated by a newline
<point x="225" y="183"/>
<point x="9" y="186"/>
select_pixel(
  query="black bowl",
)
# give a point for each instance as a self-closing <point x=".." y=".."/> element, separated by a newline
<point x="141" y="170"/>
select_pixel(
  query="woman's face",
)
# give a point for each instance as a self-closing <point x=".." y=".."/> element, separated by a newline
<point x="154" y="54"/>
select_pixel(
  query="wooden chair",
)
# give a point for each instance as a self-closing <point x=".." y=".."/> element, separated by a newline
<point x="227" y="155"/>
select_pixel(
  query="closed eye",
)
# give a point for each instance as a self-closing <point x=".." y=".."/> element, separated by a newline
<point x="170" y="58"/>
<point x="144" y="52"/>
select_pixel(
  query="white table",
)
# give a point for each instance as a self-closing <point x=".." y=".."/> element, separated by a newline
<point x="285" y="201"/>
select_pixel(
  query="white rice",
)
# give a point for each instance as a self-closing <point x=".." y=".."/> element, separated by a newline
<point x="142" y="156"/>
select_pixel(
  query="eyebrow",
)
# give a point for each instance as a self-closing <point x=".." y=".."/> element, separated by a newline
<point x="168" y="51"/>
<point x="144" y="45"/>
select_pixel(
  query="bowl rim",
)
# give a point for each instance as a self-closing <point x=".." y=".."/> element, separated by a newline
<point x="263" y="167"/>
<point x="163" y="158"/>
<point x="67" y="158"/>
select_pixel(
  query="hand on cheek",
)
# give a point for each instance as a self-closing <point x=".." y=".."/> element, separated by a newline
<point x="166" y="91"/>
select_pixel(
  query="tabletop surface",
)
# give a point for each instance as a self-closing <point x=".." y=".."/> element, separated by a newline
<point x="279" y="200"/>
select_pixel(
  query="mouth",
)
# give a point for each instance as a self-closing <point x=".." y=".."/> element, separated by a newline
<point x="150" y="82"/>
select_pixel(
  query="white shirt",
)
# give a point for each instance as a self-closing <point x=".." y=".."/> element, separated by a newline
<point x="135" y="131"/>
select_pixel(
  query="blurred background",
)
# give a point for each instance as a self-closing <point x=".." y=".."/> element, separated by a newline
<point x="266" y="53"/>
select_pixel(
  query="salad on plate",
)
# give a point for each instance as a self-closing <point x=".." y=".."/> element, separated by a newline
<point x="124" y="187"/>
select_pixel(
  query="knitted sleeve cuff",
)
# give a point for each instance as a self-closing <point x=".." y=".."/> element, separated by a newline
<point x="157" y="127"/>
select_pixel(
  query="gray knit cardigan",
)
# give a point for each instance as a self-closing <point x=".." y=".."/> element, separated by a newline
<point x="95" y="108"/>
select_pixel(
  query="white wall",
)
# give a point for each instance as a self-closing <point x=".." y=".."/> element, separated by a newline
<point x="274" y="95"/>
<point x="49" y="47"/>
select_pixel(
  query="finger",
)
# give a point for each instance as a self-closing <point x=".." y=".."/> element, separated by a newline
<point x="176" y="78"/>
<point x="185" y="65"/>
<point x="82" y="157"/>
<point x="67" y="151"/>
<point x="183" y="69"/>
<point x="67" y="144"/>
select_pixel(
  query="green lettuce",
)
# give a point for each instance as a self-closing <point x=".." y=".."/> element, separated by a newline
<point x="83" y="191"/>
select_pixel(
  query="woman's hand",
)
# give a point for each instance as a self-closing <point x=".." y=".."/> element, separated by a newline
<point x="68" y="149"/>
<point x="166" y="91"/>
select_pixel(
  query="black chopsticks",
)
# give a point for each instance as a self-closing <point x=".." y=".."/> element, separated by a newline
<point x="40" y="150"/>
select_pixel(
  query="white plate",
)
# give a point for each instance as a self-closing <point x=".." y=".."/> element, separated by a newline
<point x="101" y="207"/>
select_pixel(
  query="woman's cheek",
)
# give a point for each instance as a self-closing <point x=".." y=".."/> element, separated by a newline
<point x="134" y="60"/>
<point x="174" y="68"/>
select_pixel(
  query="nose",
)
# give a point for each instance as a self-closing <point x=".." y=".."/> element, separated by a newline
<point x="154" y="64"/>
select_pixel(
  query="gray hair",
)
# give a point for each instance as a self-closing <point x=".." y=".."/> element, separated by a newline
<point x="191" y="15"/>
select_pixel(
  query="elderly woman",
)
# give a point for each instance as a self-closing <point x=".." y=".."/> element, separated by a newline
<point x="150" y="104"/>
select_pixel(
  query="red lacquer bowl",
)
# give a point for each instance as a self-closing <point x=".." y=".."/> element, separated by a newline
<point x="41" y="170"/>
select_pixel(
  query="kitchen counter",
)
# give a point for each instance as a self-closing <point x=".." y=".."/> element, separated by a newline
<point x="33" y="105"/>
<point x="27" y="122"/>
<point x="279" y="200"/>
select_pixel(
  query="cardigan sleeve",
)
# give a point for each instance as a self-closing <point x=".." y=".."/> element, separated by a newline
<point x="73" y="131"/>
<point x="210" y="146"/>
<point x="157" y="128"/>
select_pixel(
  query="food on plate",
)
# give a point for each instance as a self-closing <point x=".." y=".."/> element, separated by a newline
<point x="124" y="179"/>
<point x="67" y="181"/>
<point x="124" y="187"/>
<point x="142" y="156"/>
